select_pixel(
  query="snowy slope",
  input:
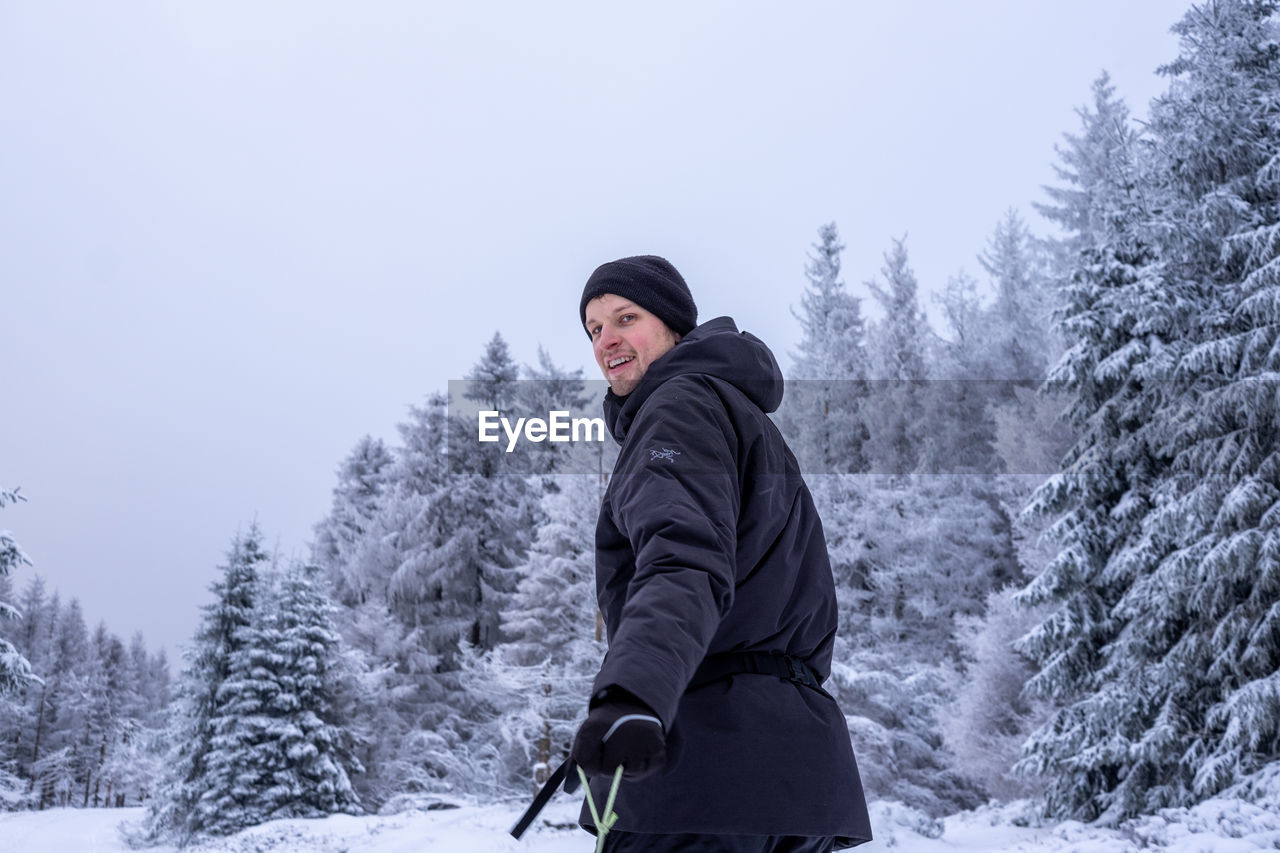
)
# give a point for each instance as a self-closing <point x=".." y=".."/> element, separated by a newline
<point x="1247" y="818"/>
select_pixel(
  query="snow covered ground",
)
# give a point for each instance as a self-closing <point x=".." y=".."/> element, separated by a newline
<point x="1247" y="818"/>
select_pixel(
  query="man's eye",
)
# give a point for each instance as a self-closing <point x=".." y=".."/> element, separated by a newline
<point x="595" y="330"/>
<point x="627" y="318"/>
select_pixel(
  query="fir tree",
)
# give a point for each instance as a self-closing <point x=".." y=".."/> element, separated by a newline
<point x="105" y="683"/>
<point x="482" y="511"/>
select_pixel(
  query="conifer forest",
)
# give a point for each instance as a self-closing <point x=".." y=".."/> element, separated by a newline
<point x="1053" y="516"/>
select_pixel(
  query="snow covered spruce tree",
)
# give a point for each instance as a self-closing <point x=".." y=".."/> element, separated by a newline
<point x="1164" y="645"/>
<point x="309" y="732"/>
<point x="275" y="752"/>
<point x="178" y="813"/>
<point x="252" y="736"/>
<point x="15" y="670"/>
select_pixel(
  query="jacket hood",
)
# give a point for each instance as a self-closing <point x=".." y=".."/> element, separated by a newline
<point x="717" y="349"/>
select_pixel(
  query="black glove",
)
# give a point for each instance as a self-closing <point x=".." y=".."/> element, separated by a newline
<point x="620" y="730"/>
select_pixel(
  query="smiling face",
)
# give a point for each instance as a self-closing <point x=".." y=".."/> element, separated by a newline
<point x="626" y="339"/>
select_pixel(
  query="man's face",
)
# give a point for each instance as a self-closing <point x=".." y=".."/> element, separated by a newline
<point x="626" y="339"/>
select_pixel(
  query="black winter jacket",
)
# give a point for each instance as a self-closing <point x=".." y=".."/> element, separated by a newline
<point x="708" y="542"/>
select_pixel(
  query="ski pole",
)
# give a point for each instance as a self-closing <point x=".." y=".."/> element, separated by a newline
<point x="610" y="816"/>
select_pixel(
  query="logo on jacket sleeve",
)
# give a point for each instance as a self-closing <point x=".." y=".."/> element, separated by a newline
<point x="666" y="453"/>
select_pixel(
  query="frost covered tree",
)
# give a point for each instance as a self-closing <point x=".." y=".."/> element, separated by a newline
<point x="493" y="379"/>
<point x="549" y="388"/>
<point x="437" y="561"/>
<point x="895" y="414"/>
<point x="64" y="710"/>
<point x="1162" y="645"/>
<point x="66" y="736"/>
<point x="912" y="557"/>
<point x="106" y="686"/>
<point x="400" y="641"/>
<point x="831" y="363"/>
<point x="361" y="481"/>
<point x="15" y="670"/>
<point x="962" y="437"/>
<point x="450" y="527"/>
<point x="484" y="511"/>
<point x="388" y="559"/>
<point x="1102" y="180"/>
<point x="1016" y="329"/>
<point x="901" y="334"/>
<point x="991" y="716"/>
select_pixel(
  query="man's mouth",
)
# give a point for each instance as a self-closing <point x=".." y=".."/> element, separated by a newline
<point x="618" y="361"/>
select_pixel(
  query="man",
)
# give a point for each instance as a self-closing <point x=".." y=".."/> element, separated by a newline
<point x="713" y="578"/>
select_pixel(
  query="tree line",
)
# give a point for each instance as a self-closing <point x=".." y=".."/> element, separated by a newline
<point x="80" y="712"/>
<point x="1052" y="519"/>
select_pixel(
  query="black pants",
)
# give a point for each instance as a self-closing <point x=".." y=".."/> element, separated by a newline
<point x="642" y="842"/>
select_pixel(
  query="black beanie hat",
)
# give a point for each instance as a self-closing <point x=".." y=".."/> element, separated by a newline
<point x="649" y="281"/>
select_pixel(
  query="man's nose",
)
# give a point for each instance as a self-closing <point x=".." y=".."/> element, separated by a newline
<point x="608" y="338"/>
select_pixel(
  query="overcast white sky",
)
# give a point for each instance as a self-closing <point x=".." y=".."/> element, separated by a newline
<point x="236" y="236"/>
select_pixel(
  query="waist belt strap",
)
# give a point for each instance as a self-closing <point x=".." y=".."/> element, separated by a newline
<point x="563" y="773"/>
<point x="781" y="665"/>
